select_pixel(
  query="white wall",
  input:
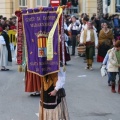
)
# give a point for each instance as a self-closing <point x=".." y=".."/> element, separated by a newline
<point x="2" y="7"/>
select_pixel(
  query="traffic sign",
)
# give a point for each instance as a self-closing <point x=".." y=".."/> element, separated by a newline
<point x="54" y="3"/>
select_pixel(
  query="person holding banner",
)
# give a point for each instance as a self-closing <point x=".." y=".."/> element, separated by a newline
<point x="54" y="105"/>
<point x="43" y="58"/>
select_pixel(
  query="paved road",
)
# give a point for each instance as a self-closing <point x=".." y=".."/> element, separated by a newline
<point x="88" y="96"/>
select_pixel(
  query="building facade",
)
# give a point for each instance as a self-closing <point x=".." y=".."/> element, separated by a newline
<point x="90" y="7"/>
<point x="8" y="7"/>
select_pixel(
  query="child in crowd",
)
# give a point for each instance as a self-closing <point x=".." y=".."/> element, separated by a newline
<point x="114" y="65"/>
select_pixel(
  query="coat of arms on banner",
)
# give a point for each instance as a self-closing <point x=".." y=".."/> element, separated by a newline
<point x="42" y="45"/>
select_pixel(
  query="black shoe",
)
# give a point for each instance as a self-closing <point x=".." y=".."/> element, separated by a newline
<point x="72" y="54"/>
<point x="5" y="69"/>
<point x="36" y="94"/>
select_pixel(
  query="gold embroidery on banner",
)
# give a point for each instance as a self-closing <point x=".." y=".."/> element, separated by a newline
<point x="40" y="32"/>
<point x="31" y="53"/>
<point x="32" y="40"/>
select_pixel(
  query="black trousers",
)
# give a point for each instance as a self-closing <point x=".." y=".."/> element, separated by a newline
<point x="73" y="41"/>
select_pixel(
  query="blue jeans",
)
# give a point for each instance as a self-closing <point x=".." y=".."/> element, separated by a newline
<point x="112" y="76"/>
<point x="108" y="77"/>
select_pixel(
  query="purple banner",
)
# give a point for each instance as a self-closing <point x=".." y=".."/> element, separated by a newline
<point x="37" y="27"/>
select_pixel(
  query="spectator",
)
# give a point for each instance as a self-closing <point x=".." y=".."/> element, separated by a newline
<point x="8" y="57"/>
<point x="98" y="24"/>
<point x="73" y="28"/>
<point x="114" y="66"/>
<point x="4" y="18"/>
<point x="1" y="17"/>
<point x="105" y="42"/>
<point x="64" y="2"/>
<point x="116" y="21"/>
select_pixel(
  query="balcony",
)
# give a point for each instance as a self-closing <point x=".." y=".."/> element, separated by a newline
<point x="73" y="10"/>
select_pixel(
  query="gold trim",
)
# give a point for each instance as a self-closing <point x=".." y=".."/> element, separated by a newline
<point x="24" y="36"/>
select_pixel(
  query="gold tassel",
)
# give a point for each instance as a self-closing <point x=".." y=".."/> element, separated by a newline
<point x="19" y="68"/>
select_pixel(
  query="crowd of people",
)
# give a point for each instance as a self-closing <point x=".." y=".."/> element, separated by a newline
<point x="94" y="33"/>
<point x="98" y="33"/>
<point x="11" y="22"/>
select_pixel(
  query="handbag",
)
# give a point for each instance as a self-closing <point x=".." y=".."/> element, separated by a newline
<point x="103" y="71"/>
<point x="61" y="93"/>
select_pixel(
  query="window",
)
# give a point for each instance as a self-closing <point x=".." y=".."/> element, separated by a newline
<point x="23" y="3"/>
<point x="43" y="3"/>
<point x="118" y="6"/>
<point x="117" y="2"/>
<point x="38" y="2"/>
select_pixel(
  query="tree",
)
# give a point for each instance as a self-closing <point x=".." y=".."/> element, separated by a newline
<point x="100" y="7"/>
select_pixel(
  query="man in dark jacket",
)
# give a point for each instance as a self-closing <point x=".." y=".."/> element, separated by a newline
<point x="6" y="38"/>
<point x="64" y="2"/>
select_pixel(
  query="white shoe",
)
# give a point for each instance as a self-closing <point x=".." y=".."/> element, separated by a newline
<point x="91" y="68"/>
<point x="87" y="67"/>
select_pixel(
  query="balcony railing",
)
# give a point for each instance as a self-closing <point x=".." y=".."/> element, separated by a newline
<point x="73" y="10"/>
<point x="23" y="7"/>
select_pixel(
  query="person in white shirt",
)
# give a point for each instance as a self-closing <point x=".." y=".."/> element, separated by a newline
<point x="90" y="39"/>
<point x="73" y="28"/>
<point x="3" y="54"/>
<point x="6" y="51"/>
<point x="84" y="25"/>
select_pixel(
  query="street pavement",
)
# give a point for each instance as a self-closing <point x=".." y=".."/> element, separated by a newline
<point x="88" y="95"/>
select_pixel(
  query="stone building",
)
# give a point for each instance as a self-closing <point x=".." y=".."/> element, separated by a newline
<point x="7" y="7"/>
<point x="90" y="6"/>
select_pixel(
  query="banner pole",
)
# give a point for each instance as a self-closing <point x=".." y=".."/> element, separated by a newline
<point x="42" y="88"/>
